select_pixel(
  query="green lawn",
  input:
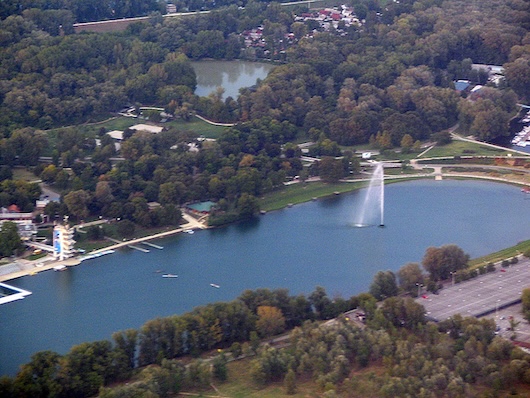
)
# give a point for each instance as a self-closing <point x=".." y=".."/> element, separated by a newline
<point x="462" y="148"/>
<point x="303" y="192"/>
<point x="22" y="173"/>
<point x="198" y="126"/>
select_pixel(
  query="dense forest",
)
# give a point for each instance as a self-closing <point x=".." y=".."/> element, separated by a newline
<point x="459" y="357"/>
<point x="387" y="81"/>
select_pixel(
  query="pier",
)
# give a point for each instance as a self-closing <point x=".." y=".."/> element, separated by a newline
<point x="153" y="245"/>
<point x="138" y="248"/>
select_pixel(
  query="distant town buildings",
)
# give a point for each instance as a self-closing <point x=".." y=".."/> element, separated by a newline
<point x="325" y="20"/>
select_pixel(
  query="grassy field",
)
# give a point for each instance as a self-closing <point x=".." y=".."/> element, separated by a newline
<point x="22" y="173"/>
<point x="240" y="385"/>
<point x="198" y="126"/>
<point x="463" y="148"/>
<point x="503" y="254"/>
<point x="121" y="123"/>
<point x="303" y="192"/>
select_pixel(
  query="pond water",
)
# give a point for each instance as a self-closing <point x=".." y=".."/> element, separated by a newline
<point x="230" y="75"/>
<point x="299" y="248"/>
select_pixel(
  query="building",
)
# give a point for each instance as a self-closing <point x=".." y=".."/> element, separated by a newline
<point x="462" y="85"/>
<point x="63" y="242"/>
<point x="201" y="208"/>
<point x="24" y="221"/>
<point x="147" y="128"/>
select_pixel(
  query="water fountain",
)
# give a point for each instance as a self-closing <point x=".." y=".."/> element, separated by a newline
<point x="373" y="204"/>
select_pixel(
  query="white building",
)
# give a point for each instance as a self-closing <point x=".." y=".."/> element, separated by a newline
<point x="147" y="128"/>
<point x="63" y="242"/>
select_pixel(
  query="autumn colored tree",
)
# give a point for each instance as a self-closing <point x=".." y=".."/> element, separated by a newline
<point x="440" y="262"/>
<point x="270" y="321"/>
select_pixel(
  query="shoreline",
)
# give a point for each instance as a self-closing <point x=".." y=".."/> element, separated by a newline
<point x="30" y="268"/>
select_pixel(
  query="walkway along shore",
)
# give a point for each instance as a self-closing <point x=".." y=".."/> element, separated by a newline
<point x="26" y="267"/>
<point x="22" y="267"/>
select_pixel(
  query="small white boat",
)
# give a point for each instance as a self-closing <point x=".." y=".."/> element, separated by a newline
<point x="59" y="267"/>
<point x="189" y="231"/>
<point x="170" y="276"/>
<point x="215" y="285"/>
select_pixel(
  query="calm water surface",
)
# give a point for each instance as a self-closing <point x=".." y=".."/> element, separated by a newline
<point x="231" y="75"/>
<point x="297" y="248"/>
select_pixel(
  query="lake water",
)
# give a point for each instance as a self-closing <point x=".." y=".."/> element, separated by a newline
<point x="299" y="248"/>
<point x="231" y="75"/>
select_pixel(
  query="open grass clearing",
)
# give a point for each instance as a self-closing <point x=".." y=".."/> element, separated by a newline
<point x="23" y="174"/>
<point x="198" y="126"/>
<point x="304" y="192"/>
<point x="464" y="148"/>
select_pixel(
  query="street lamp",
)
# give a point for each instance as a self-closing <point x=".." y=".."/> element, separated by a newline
<point x="419" y="288"/>
<point x="453" y="277"/>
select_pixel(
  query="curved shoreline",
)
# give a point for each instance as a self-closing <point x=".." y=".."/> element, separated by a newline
<point x="30" y="268"/>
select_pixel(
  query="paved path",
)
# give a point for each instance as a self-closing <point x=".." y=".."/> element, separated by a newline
<point x="21" y="267"/>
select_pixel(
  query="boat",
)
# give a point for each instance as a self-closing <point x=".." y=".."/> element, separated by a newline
<point x="170" y="276"/>
<point x="59" y="267"/>
<point x="215" y="285"/>
<point x="189" y="231"/>
<point x="525" y="190"/>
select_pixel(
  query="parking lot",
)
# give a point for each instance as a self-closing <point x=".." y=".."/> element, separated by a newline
<point x="482" y="296"/>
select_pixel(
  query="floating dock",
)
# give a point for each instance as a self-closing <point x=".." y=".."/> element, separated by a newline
<point x="138" y="248"/>
<point x="153" y="245"/>
<point x="10" y="293"/>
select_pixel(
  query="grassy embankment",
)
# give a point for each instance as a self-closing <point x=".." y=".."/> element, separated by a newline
<point x="503" y="254"/>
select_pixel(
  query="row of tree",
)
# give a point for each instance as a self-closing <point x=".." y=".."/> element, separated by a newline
<point x="89" y="366"/>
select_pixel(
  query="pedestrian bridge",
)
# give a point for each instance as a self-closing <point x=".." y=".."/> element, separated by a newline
<point x="41" y="246"/>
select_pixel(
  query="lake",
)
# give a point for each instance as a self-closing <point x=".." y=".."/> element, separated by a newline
<point x="299" y="248"/>
<point x="230" y="75"/>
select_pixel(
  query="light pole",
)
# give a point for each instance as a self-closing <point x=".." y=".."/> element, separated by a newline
<point x="453" y="278"/>
<point x="419" y="288"/>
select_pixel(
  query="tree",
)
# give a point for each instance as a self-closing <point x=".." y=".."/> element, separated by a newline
<point x="440" y="262"/>
<point x="331" y="169"/>
<point x="384" y="285"/>
<point x="77" y="203"/>
<point x="37" y="378"/>
<point x="219" y="368"/>
<point x="270" y="321"/>
<point x="410" y="276"/>
<point x="126" y="228"/>
<point x="10" y="242"/>
<point x="289" y="382"/>
<point x="525" y="297"/>
<point x="247" y="205"/>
